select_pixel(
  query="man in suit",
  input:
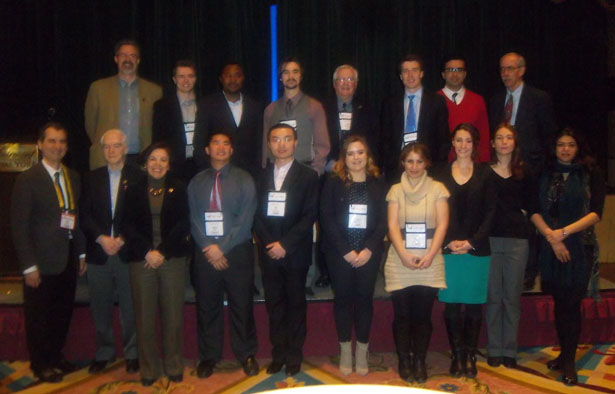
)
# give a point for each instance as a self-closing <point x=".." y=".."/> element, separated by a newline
<point x="51" y="251"/>
<point x="416" y="115"/>
<point x="287" y="194"/>
<point x="347" y="115"/>
<point x="529" y="109"/>
<point x="464" y="106"/>
<point x="124" y="101"/>
<point x="101" y="218"/>
<point x="174" y="120"/>
<point x="302" y="112"/>
<point x="222" y="202"/>
<point x="231" y="111"/>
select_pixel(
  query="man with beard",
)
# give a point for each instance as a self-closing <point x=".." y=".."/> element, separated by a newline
<point x="303" y="113"/>
<point x="231" y="111"/>
<point x="124" y="101"/>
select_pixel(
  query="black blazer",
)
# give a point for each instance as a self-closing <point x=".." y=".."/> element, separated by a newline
<point x="174" y="221"/>
<point x="473" y="217"/>
<point x="215" y="115"/>
<point x="95" y="208"/>
<point x="35" y="222"/>
<point x="294" y="230"/>
<point x="168" y="127"/>
<point x="334" y="215"/>
<point x="364" y="123"/>
<point x="432" y="128"/>
<point x="535" y="123"/>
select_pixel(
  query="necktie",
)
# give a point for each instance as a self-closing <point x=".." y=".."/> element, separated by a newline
<point x="455" y="98"/>
<point x="508" y="109"/>
<point x="215" y="202"/>
<point x="410" y="117"/>
<point x="59" y="185"/>
<point x="344" y="107"/>
<point x="289" y="108"/>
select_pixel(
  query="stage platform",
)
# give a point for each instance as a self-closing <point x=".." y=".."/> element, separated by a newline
<point x="536" y="326"/>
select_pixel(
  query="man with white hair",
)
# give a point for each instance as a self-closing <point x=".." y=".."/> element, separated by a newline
<point x="101" y="217"/>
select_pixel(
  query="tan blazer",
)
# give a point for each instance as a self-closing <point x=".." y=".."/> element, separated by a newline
<point x="102" y="113"/>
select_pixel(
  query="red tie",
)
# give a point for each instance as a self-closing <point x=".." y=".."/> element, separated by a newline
<point x="508" y="109"/>
<point x="215" y="202"/>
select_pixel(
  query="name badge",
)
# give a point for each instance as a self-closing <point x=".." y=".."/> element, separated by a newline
<point x="410" y="137"/>
<point x="345" y="120"/>
<point x="357" y="216"/>
<point x="189" y="126"/>
<point x="292" y="123"/>
<point x="416" y="237"/>
<point x="189" y="151"/>
<point x="276" y="204"/>
<point x="67" y="221"/>
<point x="214" y="224"/>
<point x="189" y="137"/>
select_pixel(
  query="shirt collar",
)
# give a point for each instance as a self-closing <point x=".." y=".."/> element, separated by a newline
<point x="188" y="102"/>
<point x="131" y="85"/>
<point x="285" y="166"/>
<point x="295" y="98"/>
<point x="340" y="104"/>
<point x="517" y="91"/>
<point x="238" y="102"/>
<point x="50" y="169"/>
<point x="449" y="93"/>
<point x="417" y="94"/>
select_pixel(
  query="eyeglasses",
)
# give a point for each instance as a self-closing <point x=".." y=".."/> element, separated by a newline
<point x="346" y="79"/>
<point x="454" y="69"/>
<point x="509" y="68"/>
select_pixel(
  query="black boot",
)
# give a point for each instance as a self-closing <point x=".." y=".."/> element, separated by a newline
<point x="471" y="334"/>
<point x="401" y="335"/>
<point x="404" y="367"/>
<point x="454" y="329"/>
<point x="420" y="342"/>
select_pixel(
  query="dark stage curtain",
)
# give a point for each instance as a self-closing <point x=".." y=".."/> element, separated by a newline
<point x="564" y="43"/>
<point x="53" y="50"/>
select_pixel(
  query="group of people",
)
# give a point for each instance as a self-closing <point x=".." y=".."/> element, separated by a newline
<point x="453" y="199"/>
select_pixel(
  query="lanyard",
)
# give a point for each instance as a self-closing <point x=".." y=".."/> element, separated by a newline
<point x="69" y="192"/>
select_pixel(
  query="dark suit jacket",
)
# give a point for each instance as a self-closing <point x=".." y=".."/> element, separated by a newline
<point x="35" y="222"/>
<point x="137" y="224"/>
<point x="535" y="123"/>
<point x="294" y="230"/>
<point x="95" y="207"/>
<point x="432" y="128"/>
<point x="334" y="216"/>
<point x="168" y="127"/>
<point x="215" y="115"/>
<point x="364" y="123"/>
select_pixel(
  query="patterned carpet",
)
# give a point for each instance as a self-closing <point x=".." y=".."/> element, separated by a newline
<point x="595" y="365"/>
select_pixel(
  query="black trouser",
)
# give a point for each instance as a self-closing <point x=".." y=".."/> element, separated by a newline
<point x="354" y="293"/>
<point x="284" y="284"/>
<point x="48" y="310"/>
<point x="567" y="305"/>
<point x="237" y="281"/>
<point x="412" y="322"/>
<point x="463" y="327"/>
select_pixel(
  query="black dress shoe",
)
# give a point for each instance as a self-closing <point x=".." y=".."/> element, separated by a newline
<point x="555" y="364"/>
<point x="132" y="365"/>
<point x="97" y="366"/>
<point x="205" y="369"/>
<point x="48" y="375"/>
<point x="65" y="366"/>
<point x="509" y="362"/>
<point x="176" y="378"/>
<point x="322" y="281"/>
<point x="274" y="367"/>
<point x="404" y="368"/>
<point x="569" y="376"/>
<point x="148" y="382"/>
<point x="250" y="366"/>
<point x="494" y="361"/>
<point x="292" y="370"/>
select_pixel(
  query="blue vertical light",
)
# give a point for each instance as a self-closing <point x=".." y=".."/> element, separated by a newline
<point x="273" y="23"/>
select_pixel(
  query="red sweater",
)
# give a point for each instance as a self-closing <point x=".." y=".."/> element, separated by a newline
<point x="472" y="109"/>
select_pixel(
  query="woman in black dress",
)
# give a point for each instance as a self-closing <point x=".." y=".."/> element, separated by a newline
<point x="353" y="216"/>
<point x="570" y="202"/>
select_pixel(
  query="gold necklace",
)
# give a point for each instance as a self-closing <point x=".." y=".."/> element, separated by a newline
<point x="156" y="192"/>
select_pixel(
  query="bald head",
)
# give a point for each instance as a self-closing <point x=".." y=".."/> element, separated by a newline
<point x="114" y="148"/>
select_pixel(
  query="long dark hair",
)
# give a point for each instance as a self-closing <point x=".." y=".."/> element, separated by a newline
<point x="584" y="155"/>
<point x="517" y="166"/>
<point x="469" y="127"/>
